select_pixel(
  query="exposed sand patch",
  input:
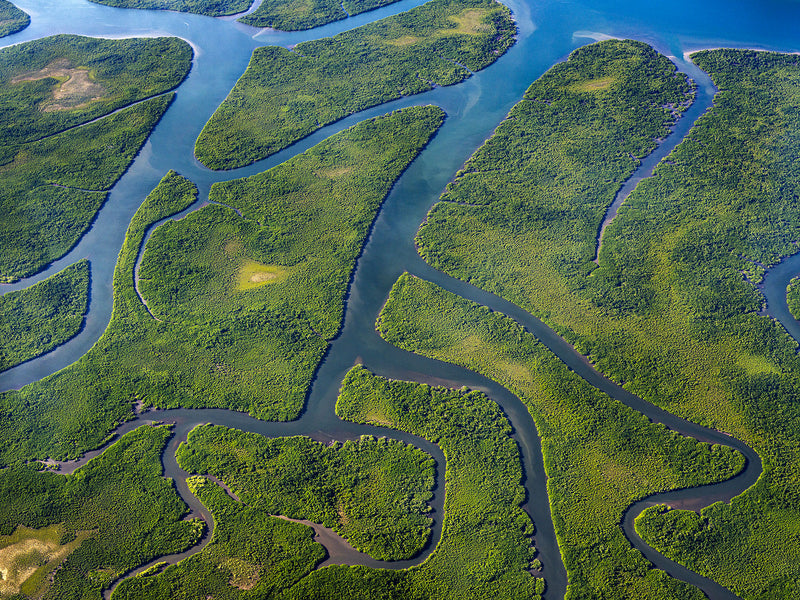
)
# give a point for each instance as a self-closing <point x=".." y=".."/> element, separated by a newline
<point x="471" y="21"/>
<point x="19" y="561"/>
<point x="75" y="89"/>
<point x="28" y="555"/>
<point x="593" y="85"/>
<point x="244" y="575"/>
<point x="252" y="275"/>
<point x="344" y="519"/>
<point x="262" y="277"/>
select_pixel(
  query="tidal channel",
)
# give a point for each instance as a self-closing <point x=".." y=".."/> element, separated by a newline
<point x="548" y="32"/>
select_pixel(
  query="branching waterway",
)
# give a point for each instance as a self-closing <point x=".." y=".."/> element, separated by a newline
<point x="547" y="33"/>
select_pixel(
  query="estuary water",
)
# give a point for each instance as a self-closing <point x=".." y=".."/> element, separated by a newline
<point x="548" y="32"/>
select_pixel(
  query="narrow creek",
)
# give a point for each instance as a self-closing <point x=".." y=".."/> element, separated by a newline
<point x="339" y="550"/>
<point x="704" y="99"/>
<point x="474" y="107"/>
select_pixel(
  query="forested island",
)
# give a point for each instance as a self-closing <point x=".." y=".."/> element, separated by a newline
<point x="232" y="400"/>
<point x="287" y="94"/>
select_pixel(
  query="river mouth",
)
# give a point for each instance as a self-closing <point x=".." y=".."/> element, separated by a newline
<point x="547" y="34"/>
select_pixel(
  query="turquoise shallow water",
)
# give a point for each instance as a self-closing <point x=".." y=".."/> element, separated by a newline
<point x="548" y="31"/>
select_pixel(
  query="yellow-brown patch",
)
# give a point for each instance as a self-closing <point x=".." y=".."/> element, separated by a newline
<point x="471" y="21"/>
<point x="75" y="89"/>
<point x="593" y="85"/>
<point x="403" y="41"/>
<point x="471" y="343"/>
<point x="27" y="556"/>
<point x="378" y="419"/>
<point x="334" y="172"/>
<point x="252" y="275"/>
<point x="244" y="575"/>
<point x="233" y="248"/>
<point x="344" y="519"/>
<point x="516" y="371"/>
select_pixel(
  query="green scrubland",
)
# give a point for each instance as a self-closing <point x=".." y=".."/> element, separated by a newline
<point x="600" y="456"/>
<point x="277" y="14"/>
<point x="239" y="308"/>
<point x="62" y="81"/>
<point x="296" y="15"/>
<point x="72" y="536"/>
<point x="793" y="297"/>
<point x="212" y="8"/>
<point x="372" y="492"/>
<point x="56" y="161"/>
<point x="43" y="316"/>
<point x="284" y="95"/>
<point x="752" y="545"/>
<point x="485" y="550"/>
<point x="53" y="188"/>
<point x="255" y="298"/>
<point x="251" y="553"/>
<point x="670" y="310"/>
<point x="73" y="410"/>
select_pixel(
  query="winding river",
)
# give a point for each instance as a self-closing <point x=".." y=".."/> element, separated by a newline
<point x="548" y="31"/>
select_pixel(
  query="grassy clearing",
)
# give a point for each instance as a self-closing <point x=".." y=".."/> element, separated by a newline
<point x="286" y="95"/>
<point x="472" y="21"/>
<point x="54" y="179"/>
<point x="43" y="316"/>
<point x="594" y="85"/>
<point x="253" y="275"/>
<point x="668" y="310"/>
<point x="600" y="456"/>
<point x="251" y="350"/>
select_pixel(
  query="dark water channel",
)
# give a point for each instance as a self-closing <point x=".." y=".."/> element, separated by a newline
<point x="548" y="31"/>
